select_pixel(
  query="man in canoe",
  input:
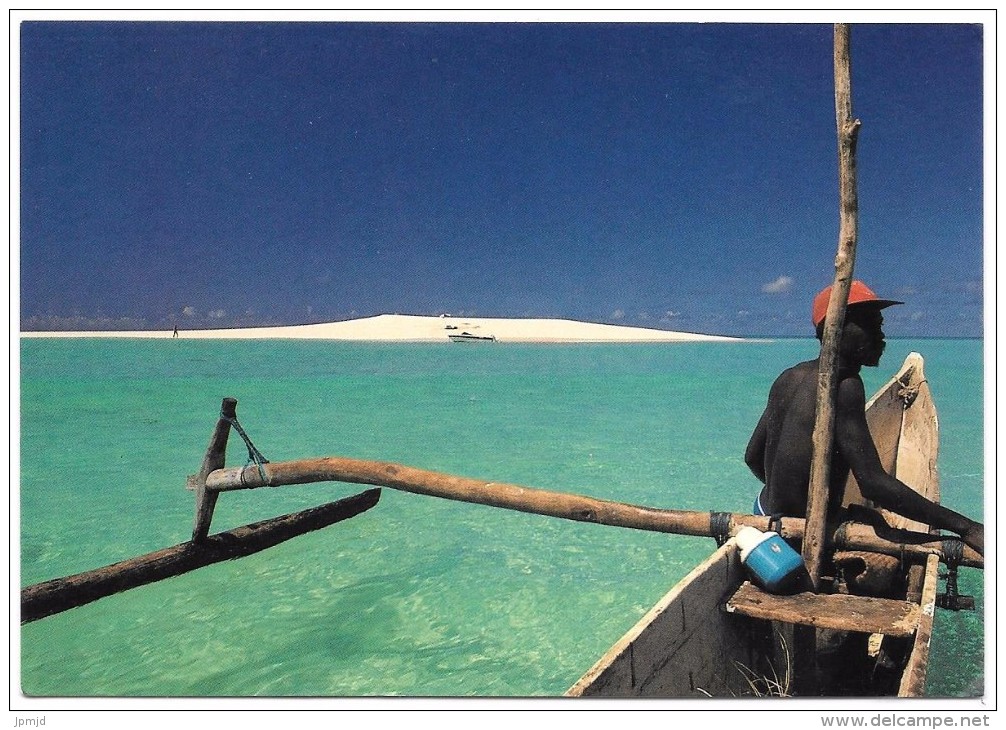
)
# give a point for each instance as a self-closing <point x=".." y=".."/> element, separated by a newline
<point x="780" y="450"/>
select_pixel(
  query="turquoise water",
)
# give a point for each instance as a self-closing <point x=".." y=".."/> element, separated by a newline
<point x="418" y="596"/>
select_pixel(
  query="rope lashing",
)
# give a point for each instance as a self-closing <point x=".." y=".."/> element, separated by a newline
<point x="719" y="526"/>
<point x="908" y="394"/>
<point x="954" y="550"/>
<point x="775" y="523"/>
<point x="254" y="455"/>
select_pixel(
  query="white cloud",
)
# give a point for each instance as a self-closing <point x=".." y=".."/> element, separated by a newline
<point x="618" y="314"/>
<point x="780" y="286"/>
<point x="189" y="311"/>
<point x="216" y="314"/>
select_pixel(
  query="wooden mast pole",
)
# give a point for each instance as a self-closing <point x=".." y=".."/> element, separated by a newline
<point x="848" y="131"/>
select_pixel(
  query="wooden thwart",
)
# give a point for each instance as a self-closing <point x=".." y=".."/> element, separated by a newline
<point x="829" y="611"/>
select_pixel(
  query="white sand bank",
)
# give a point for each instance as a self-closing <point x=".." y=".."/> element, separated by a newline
<point x="411" y="328"/>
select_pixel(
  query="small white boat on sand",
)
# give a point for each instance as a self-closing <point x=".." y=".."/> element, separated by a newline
<point x="469" y="337"/>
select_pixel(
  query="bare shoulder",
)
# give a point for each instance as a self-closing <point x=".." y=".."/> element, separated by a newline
<point x="795" y="386"/>
<point x="791" y="378"/>
<point x="851" y="392"/>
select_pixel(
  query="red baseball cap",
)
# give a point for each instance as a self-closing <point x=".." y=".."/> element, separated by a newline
<point x="859" y="293"/>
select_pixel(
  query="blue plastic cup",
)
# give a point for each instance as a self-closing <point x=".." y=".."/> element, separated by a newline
<point x="770" y="560"/>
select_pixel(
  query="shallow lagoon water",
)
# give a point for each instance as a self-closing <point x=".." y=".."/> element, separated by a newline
<point x="418" y="596"/>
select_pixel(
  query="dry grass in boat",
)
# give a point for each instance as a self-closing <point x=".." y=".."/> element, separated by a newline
<point x="774" y="685"/>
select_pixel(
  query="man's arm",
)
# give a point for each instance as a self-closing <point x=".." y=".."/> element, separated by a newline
<point x="853" y="439"/>
<point x="754" y="455"/>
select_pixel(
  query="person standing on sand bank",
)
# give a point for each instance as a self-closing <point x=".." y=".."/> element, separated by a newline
<point x="780" y="450"/>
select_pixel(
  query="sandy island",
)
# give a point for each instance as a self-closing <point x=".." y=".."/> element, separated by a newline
<point x="412" y="328"/>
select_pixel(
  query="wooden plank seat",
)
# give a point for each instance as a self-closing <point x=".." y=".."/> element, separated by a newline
<point x="829" y="611"/>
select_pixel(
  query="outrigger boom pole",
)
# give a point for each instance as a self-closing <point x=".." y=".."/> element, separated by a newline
<point x="850" y="536"/>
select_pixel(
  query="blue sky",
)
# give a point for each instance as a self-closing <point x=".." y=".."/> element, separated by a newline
<point x="670" y="175"/>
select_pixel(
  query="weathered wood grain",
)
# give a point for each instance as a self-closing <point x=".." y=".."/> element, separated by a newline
<point x="863" y="614"/>
<point x="61" y="594"/>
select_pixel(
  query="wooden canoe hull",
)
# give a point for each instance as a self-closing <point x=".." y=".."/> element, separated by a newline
<point x="903" y="421"/>
<point x="689" y="646"/>
<point x="679" y="647"/>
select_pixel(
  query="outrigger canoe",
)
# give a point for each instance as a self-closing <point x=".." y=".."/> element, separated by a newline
<point x="715" y="634"/>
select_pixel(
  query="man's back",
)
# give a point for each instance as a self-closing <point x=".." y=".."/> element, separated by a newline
<point x="781" y="448"/>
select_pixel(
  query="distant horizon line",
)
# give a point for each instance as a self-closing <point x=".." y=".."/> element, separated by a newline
<point x="139" y="326"/>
